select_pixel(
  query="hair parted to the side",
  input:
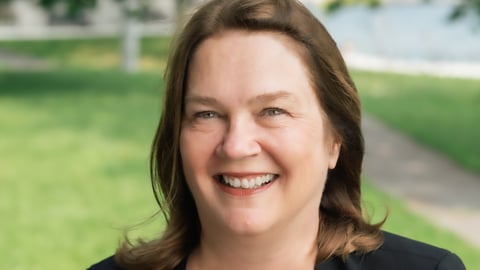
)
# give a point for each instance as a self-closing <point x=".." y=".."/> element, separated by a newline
<point x="343" y="228"/>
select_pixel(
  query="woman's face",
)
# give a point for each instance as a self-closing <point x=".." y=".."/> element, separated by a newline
<point x="255" y="147"/>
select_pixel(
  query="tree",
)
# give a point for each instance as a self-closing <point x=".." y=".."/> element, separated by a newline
<point x="133" y="10"/>
<point x="335" y="5"/>
<point x="464" y="8"/>
<point x="74" y="9"/>
<point x="460" y="10"/>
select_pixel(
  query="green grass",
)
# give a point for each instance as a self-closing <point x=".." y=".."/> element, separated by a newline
<point x="404" y="222"/>
<point x="441" y="113"/>
<point x="97" y="54"/>
<point x="74" y="146"/>
<point x="74" y="156"/>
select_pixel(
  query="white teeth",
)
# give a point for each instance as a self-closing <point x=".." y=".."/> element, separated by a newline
<point x="258" y="180"/>
<point x="251" y="183"/>
<point x="236" y="183"/>
<point x="247" y="183"/>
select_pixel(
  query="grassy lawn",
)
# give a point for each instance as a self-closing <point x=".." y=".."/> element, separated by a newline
<point x="402" y="221"/>
<point x="97" y="54"/>
<point x="439" y="112"/>
<point x="74" y="150"/>
<point x="74" y="164"/>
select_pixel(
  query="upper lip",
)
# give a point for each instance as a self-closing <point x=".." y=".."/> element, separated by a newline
<point x="243" y="174"/>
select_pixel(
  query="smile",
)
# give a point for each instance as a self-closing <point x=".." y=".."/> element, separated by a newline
<point x="247" y="182"/>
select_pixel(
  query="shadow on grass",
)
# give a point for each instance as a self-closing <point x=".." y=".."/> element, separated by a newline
<point x="104" y="102"/>
<point x="21" y="84"/>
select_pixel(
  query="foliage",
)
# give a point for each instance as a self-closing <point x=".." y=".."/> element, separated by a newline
<point x="464" y="7"/>
<point x="73" y="8"/>
<point x="331" y="6"/>
<point x="460" y="10"/>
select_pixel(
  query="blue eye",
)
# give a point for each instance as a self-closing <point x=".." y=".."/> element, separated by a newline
<point x="272" y="111"/>
<point x="205" y="115"/>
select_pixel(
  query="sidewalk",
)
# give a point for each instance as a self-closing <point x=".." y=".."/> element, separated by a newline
<point x="429" y="183"/>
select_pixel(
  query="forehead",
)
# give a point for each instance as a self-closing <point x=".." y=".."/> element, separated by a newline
<point x="247" y="59"/>
<point x="233" y="39"/>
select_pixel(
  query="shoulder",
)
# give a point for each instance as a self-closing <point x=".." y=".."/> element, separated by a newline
<point x="398" y="252"/>
<point x="106" y="264"/>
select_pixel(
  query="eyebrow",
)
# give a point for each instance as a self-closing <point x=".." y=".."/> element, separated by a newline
<point x="272" y="96"/>
<point x="262" y="98"/>
<point x="201" y="100"/>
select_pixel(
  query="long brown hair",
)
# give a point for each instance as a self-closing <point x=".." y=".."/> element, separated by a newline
<point x="343" y="228"/>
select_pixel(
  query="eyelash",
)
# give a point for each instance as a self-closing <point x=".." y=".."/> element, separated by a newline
<point x="272" y="111"/>
<point x="205" y="115"/>
<point x="269" y="112"/>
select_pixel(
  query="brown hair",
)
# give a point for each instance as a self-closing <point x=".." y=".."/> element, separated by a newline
<point x="342" y="227"/>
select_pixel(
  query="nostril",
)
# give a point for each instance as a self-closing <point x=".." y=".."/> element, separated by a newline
<point x="240" y="139"/>
<point x="238" y="150"/>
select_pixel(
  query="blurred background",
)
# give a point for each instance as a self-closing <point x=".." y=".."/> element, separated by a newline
<point x="80" y="97"/>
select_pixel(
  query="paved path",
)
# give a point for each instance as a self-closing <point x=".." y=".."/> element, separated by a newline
<point x="428" y="182"/>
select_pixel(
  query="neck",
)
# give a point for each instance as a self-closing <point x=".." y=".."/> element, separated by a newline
<point x="294" y="247"/>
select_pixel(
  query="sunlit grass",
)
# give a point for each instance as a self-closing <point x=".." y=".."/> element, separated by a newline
<point x="74" y="149"/>
<point x="97" y="54"/>
<point x="438" y="112"/>
<point x="406" y="223"/>
<point x="74" y="165"/>
<point x="442" y="113"/>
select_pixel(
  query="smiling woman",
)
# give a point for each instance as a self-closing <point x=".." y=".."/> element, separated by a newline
<point x="251" y="135"/>
<point x="257" y="158"/>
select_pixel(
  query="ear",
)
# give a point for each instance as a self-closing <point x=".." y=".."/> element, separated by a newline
<point x="334" y="154"/>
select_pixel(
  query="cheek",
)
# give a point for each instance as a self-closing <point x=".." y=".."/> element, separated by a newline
<point x="307" y="140"/>
<point x="304" y="150"/>
<point x="196" y="149"/>
<point x="189" y="152"/>
<point x="191" y="162"/>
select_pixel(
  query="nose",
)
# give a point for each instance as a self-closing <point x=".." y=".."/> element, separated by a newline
<point x="239" y="140"/>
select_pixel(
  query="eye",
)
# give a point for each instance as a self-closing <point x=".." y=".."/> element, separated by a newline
<point x="205" y="115"/>
<point x="272" y="111"/>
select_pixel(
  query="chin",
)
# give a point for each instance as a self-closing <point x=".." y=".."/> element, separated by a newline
<point x="248" y="224"/>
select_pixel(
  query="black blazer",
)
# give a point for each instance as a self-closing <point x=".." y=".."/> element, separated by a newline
<point x="396" y="253"/>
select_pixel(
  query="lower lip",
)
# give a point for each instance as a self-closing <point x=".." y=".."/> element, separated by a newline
<point x="241" y="192"/>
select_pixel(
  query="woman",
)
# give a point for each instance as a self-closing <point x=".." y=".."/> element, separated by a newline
<point x="257" y="158"/>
